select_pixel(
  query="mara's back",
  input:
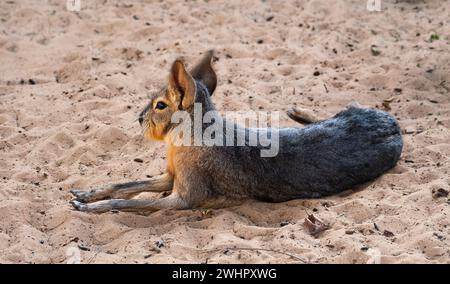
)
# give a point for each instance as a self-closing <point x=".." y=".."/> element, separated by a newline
<point x="355" y="146"/>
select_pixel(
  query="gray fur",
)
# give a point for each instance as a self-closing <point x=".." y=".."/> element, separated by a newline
<point x="355" y="146"/>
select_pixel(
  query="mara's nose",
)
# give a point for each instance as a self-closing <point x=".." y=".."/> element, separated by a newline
<point x="141" y="119"/>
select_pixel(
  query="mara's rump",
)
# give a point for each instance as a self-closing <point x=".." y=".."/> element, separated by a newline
<point x="355" y="146"/>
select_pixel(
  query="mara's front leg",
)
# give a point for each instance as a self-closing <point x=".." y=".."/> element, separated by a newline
<point x="173" y="201"/>
<point x="125" y="190"/>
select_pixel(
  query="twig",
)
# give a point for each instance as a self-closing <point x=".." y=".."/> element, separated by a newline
<point x="442" y="84"/>
<point x="94" y="256"/>
<point x="261" y="249"/>
<point x="271" y="250"/>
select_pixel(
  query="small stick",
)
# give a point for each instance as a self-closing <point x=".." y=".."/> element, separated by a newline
<point x="270" y="250"/>
<point x="262" y="249"/>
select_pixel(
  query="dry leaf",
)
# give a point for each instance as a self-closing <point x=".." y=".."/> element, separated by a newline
<point x="409" y="130"/>
<point x="314" y="225"/>
<point x="440" y="192"/>
<point x="375" y="51"/>
<point x="206" y="213"/>
<point x="386" y="103"/>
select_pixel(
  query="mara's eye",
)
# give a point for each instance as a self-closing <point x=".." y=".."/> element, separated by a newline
<point x="160" y="105"/>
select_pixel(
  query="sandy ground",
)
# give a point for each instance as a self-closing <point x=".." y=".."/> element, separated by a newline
<point x="72" y="84"/>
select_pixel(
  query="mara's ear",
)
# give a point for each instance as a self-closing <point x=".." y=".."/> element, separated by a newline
<point x="181" y="85"/>
<point x="204" y="72"/>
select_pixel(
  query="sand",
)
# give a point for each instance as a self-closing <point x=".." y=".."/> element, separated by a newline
<point x="72" y="85"/>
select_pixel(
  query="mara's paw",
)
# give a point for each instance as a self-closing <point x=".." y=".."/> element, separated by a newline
<point x="84" y="196"/>
<point x="80" y="206"/>
<point x="96" y="207"/>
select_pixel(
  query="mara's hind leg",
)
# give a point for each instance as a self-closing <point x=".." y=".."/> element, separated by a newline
<point x="305" y="116"/>
<point x="125" y="190"/>
<point x="172" y="201"/>
<point x="302" y="116"/>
